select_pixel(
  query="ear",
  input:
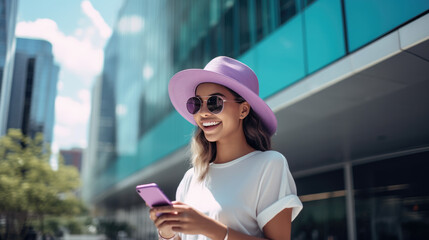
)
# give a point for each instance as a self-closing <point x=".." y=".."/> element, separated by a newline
<point x="244" y="110"/>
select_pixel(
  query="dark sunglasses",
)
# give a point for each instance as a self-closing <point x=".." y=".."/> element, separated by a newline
<point x="214" y="104"/>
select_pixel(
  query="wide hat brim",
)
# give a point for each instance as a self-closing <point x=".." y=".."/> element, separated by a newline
<point x="183" y="85"/>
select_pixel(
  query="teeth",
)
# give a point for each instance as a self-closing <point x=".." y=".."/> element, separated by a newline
<point x="207" y="124"/>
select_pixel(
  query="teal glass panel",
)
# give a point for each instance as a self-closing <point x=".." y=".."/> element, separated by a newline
<point x="324" y="33"/>
<point x="278" y="60"/>
<point x="369" y="19"/>
<point x="106" y="179"/>
<point x="249" y="58"/>
<point x="172" y="133"/>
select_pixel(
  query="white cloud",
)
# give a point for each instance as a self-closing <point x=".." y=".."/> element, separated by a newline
<point x="81" y="53"/>
<point x="60" y="85"/>
<point x="79" y="56"/>
<point x="61" y="131"/>
<point x="96" y="18"/>
<point x="70" y="112"/>
<point x="85" y="96"/>
<point x="83" y="143"/>
<point x="76" y="137"/>
<point x="71" y="120"/>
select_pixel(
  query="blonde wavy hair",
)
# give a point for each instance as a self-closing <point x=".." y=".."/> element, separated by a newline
<point x="204" y="152"/>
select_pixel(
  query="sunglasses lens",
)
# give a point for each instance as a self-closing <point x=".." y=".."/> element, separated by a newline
<point x="193" y="105"/>
<point x="215" y="104"/>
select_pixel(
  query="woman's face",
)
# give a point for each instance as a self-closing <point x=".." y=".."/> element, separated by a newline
<point x="225" y="124"/>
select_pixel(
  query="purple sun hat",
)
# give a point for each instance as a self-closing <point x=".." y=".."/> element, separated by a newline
<point x="227" y="72"/>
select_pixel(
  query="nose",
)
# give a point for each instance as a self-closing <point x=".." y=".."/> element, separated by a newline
<point x="204" y="111"/>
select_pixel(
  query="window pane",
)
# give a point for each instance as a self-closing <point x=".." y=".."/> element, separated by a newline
<point x="244" y="26"/>
<point x="324" y="213"/>
<point x="259" y="20"/>
<point x="287" y="10"/>
<point x="324" y="27"/>
<point x="392" y="198"/>
<point x="229" y="32"/>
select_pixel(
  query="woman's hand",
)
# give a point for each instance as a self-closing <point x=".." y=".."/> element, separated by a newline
<point x="165" y="230"/>
<point x="182" y="218"/>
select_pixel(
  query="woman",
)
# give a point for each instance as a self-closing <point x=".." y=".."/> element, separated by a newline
<point x="238" y="188"/>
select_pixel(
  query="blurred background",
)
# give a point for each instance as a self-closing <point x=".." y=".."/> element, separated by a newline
<point x="85" y="114"/>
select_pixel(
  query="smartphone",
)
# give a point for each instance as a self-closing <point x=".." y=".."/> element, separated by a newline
<point x="152" y="195"/>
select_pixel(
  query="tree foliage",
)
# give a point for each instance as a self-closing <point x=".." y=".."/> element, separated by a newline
<point x="29" y="186"/>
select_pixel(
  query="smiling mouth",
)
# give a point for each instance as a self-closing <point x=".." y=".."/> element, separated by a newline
<point x="210" y="124"/>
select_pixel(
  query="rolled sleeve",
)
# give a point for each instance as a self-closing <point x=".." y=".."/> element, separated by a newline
<point x="277" y="191"/>
<point x="290" y="201"/>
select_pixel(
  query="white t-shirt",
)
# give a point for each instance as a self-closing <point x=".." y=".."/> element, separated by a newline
<point x="244" y="194"/>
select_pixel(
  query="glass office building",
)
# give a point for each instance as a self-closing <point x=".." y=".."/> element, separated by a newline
<point x="8" y="12"/>
<point x="34" y="89"/>
<point x="346" y="79"/>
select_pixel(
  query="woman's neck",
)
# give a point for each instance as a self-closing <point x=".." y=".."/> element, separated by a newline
<point x="232" y="148"/>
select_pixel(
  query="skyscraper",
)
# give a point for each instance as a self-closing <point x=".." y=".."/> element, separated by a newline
<point x="8" y="12"/>
<point x="347" y="80"/>
<point x="34" y="88"/>
<point x="88" y="174"/>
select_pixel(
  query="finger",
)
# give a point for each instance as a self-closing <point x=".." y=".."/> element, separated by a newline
<point x="170" y="225"/>
<point x="163" y="208"/>
<point x="177" y="229"/>
<point x="171" y="217"/>
<point x="172" y="209"/>
<point x="152" y="214"/>
<point x="168" y="220"/>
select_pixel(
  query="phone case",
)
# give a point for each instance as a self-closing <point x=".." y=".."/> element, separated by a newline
<point x="152" y="195"/>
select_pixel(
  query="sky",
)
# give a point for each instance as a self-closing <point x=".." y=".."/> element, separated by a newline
<point x="78" y="31"/>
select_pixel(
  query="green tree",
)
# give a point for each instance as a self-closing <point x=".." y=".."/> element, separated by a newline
<point x="30" y="188"/>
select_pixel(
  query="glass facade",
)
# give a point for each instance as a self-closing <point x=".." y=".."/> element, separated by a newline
<point x="380" y="17"/>
<point x="323" y="198"/>
<point x="106" y="134"/>
<point x="283" y="41"/>
<point x="134" y="92"/>
<point x="34" y="88"/>
<point x="8" y="12"/>
<point x="392" y="199"/>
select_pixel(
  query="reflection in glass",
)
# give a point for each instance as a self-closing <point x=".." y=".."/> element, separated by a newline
<point x="324" y="212"/>
<point x="392" y="198"/>
<point x="287" y="10"/>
